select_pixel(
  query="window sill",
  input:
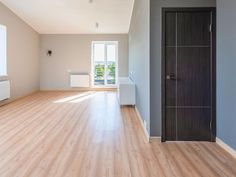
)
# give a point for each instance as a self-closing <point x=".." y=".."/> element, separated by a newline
<point x="4" y="77"/>
<point x="105" y="87"/>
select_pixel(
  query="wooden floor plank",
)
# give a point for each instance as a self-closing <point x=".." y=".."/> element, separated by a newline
<point x="87" y="134"/>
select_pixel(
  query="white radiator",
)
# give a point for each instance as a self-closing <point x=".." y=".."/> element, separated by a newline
<point x="4" y="90"/>
<point x="77" y="80"/>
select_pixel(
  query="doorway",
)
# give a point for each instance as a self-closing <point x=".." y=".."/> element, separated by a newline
<point x="188" y="74"/>
<point x="104" y="63"/>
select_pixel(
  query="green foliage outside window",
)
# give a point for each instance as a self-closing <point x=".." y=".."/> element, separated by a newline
<point x="112" y="72"/>
<point x="100" y="73"/>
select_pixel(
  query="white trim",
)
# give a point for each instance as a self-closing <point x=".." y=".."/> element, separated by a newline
<point x="3" y="50"/>
<point x="141" y="121"/>
<point x="131" y="15"/>
<point x="155" y="138"/>
<point x="103" y="86"/>
<point x="226" y="147"/>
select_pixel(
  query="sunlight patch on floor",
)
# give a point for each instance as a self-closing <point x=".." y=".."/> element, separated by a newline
<point x="76" y="98"/>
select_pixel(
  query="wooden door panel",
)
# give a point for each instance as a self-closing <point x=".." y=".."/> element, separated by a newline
<point x="188" y="52"/>
<point x="193" y="124"/>
<point x="170" y="69"/>
<point x="193" y="28"/>
<point x="194" y="76"/>
<point x="170" y="29"/>
<point x="171" y="124"/>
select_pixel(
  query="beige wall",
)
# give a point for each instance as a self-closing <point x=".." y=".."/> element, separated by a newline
<point x="29" y="67"/>
<point x="73" y="52"/>
<point x="22" y="54"/>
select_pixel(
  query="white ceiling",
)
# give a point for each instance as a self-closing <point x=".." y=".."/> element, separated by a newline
<point x="74" y="16"/>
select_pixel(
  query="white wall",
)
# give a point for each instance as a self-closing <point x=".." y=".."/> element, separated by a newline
<point x="22" y="54"/>
<point x="73" y="52"/>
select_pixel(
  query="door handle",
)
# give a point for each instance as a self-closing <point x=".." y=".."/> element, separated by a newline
<point x="171" y="77"/>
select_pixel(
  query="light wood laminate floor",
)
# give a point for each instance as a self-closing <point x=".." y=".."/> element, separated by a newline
<point x="87" y="134"/>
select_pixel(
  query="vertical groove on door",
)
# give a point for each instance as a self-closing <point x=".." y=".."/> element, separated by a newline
<point x="211" y="76"/>
<point x="176" y="71"/>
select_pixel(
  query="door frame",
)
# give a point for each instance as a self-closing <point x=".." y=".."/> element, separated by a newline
<point x="213" y="68"/>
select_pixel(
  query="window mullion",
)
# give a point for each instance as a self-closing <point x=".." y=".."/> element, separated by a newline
<point x="105" y="77"/>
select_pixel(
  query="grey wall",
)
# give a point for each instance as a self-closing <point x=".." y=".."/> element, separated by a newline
<point x="73" y="52"/>
<point x="155" y="53"/>
<point x="226" y="73"/>
<point x="139" y="56"/>
<point x="22" y="54"/>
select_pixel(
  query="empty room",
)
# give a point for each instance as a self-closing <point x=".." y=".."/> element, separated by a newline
<point x="117" y="88"/>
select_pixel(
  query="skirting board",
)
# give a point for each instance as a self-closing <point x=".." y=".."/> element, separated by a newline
<point x="141" y="121"/>
<point x="5" y="102"/>
<point x="155" y="138"/>
<point x="79" y="90"/>
<point x="226" y="147"/>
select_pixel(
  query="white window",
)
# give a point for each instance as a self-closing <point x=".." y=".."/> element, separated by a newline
<point x="104" y="63"/>
<point x="3" y="50"/>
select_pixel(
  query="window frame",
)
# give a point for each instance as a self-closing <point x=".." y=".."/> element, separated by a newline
<point x="4" y="73"/>
<point x="106" y="43"/>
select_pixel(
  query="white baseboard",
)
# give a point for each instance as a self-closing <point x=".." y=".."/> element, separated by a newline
<point x="142" y="123"/>
<point x="226" y="147"/>
<point x="8" y="101"/>
<point x="155" y="138"/>
<point x="78" y="89"/>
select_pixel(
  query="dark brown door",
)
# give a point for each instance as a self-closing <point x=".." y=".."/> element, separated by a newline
<point x="189" y="74"/>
